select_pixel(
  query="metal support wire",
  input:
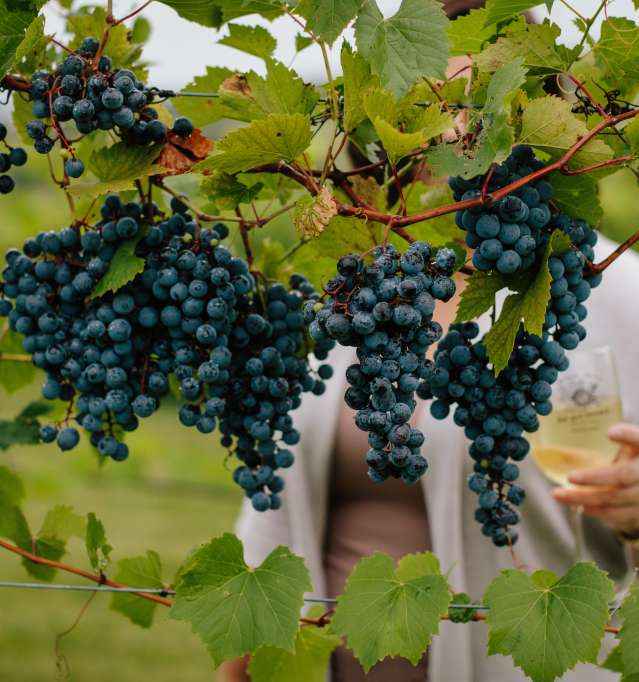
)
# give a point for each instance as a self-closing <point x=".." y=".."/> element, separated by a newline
<point x="170" y="593"/>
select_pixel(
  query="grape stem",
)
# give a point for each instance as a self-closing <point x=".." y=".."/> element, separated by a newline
<point x="100" y="579"/>
<point x="596" y="268"/>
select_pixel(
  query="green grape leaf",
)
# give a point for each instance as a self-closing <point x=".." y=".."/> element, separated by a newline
<point x="549" y="125"/>
<point x="503" y="10"/>
<point x="141" y="30"/>
<point x="528" y="305"/>
<point x="479" y="294"/>
<point x="536" y="44"/>
<point x="281" y="91"/>
<point x="358" y="81"/>
<point x="629" y="634"/>
<point x="278" y="137"/>
<point x="255" y="40"/>
<point x="302" y="42"/>
<point x="32" y="38"/>
<point x="396" y="143"/>
<point x="316" y="257"/>
<point x="98" y="549"/>
<point x="548" y="624"/>
<point x="495" y="139"/>
<point x="123" y="268"/>
<point x="232" y="9"/>
<point x="204" y="12"/>
<point x="615" y="663"/>
<point x="391" y="612"/>
<point x="467" y="34"/>
<point x="118" y="167"/>
<point x="14" y="375"/>
<point x="15" y="33"/>
<point x="60" y="524"/>
<point x="308" y="662"/>
<point x="618" y="48"/>
<point x="204" y="110"/>
<point x="631" y="133"/>
<point x="236" y="609"/>
<point x="461" y="615"/>
<point x="328" y="18"/>
<point x="493" y="144"/>
<point x="24" y="429"/>
<point x="226" y="192"/>
<point x="411" y="44"/>
<point x="141" y="571"/>
<point x="577" y="195"/>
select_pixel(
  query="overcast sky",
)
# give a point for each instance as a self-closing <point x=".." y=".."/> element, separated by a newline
<point x="179" y="49"/>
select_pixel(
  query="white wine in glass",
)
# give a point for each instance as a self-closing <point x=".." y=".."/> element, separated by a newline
<point x="587" y="402"/>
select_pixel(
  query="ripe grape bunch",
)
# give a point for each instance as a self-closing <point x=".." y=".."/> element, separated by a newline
<point x="85" y="90"/>
<point x="14" y="156"/>
<point x="195" y="313"/>
<point x="495" y="411"/>
<point x="512" y="234"/>
<point x="385" y="310"/>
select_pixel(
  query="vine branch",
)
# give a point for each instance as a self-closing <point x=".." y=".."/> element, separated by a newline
<point x="94" y="577"/>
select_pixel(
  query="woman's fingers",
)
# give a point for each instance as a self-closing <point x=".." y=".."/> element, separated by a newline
<point x="622" y="473"/>
<point x="596" y="496"/>
<point x="617" y="517"/>
<point x="625" y="434"/>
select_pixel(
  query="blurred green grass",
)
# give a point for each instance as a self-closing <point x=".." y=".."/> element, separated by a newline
<point x="174" y="493"/>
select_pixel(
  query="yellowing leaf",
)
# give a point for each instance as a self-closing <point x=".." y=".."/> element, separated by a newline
<point x="312" y="214"/>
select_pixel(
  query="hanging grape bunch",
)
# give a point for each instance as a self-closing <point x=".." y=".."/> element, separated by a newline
<point x="195" y="312"/>
<point x="495" y="411"/>
<point x="511" y="235"/>
<point x="85" y="90"/>
<point x="385" y="311"/>
<point x="14" y="156"/>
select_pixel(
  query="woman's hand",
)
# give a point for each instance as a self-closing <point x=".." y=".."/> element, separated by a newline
<point x="610" y="493"/>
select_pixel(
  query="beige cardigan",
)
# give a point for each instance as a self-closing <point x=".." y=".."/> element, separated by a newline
<point x="458" y="654"/>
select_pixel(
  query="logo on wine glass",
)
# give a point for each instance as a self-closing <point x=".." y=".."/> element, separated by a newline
<point x="580" y="390"/>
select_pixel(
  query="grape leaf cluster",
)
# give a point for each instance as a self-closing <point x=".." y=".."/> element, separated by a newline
<point x="385" y="310"/>
<point x="237" y="350"/>
<point x="85" y="90"/>
<point x="14" y="156"/>
<point x="510" y="235"/>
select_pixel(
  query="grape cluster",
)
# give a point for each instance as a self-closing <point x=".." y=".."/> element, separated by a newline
<point x="14" y="156"/>
<point x="195" y="313"/>
<point x="385" y="310"/>
<point x="85" y="90"/>
<point x="496" y="411"/>
<point x="510" y="235"/>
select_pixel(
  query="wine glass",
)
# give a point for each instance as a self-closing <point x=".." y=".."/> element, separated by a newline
<point x="574" y="436"/>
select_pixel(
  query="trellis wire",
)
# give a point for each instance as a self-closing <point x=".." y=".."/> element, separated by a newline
<point x="170" y="593"/>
